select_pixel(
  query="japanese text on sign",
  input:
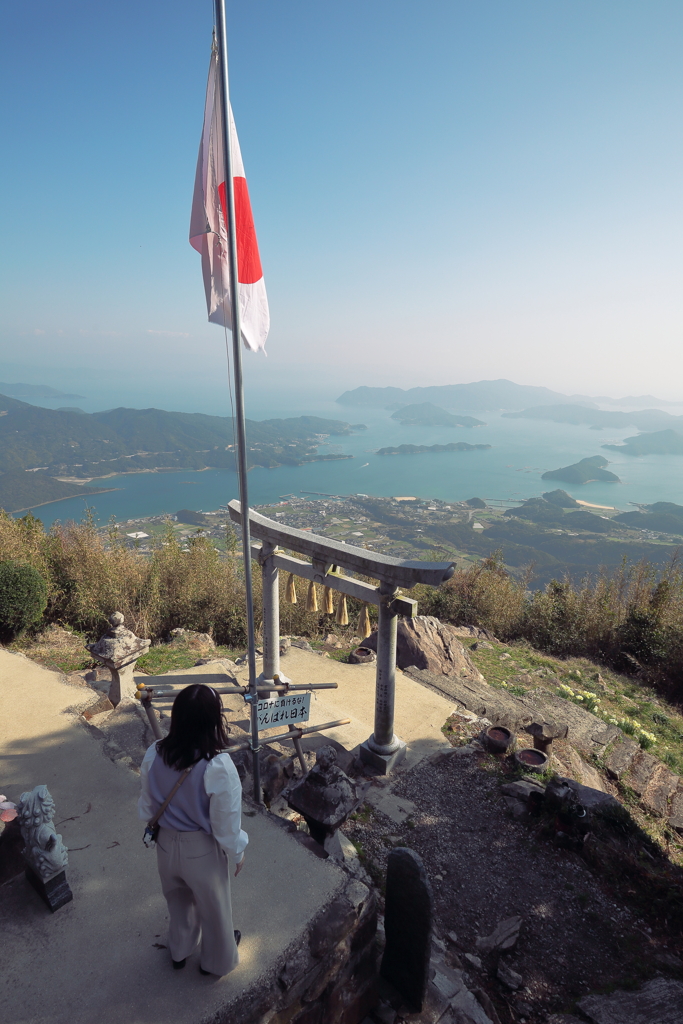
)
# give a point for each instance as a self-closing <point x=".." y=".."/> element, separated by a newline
<point x="291" y="709"/>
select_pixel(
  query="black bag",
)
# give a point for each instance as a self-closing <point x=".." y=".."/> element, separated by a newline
<point x="151" y="833"/>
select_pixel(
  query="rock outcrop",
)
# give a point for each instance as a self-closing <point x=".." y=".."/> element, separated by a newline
<point x="429" y="644"/>
<point x="660" y="1001"/>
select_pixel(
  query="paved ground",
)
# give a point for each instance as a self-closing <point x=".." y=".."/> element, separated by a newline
<point x="95" y="960"/>
<point x="419" y="714"/>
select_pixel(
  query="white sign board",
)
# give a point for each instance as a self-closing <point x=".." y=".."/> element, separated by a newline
<point x="290" y="709"/>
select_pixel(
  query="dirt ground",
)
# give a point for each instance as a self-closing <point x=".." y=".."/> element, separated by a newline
<point x="577" y="936"/>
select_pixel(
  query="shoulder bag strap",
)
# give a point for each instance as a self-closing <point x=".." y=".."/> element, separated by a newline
<point x="152" y="822"/>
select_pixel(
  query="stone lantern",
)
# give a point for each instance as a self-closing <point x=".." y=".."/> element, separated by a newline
<point x="325" y="797"/>
<point x="119" y="649"/>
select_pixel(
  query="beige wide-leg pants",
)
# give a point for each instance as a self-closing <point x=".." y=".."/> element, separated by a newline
<point x="195" y="879"/>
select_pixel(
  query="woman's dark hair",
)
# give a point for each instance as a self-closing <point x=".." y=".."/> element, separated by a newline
<point x="197" y="728"/>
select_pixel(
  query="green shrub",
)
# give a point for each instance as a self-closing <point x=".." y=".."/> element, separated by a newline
<point x="23" y="598"/>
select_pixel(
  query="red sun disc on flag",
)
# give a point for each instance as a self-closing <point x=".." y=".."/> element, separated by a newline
<point x="249" y="268"/>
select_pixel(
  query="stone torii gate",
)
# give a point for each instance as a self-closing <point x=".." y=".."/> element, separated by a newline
<point x="383" y="750"/>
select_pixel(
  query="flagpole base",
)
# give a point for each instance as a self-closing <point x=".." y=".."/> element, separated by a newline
<point x="266" y="685"/>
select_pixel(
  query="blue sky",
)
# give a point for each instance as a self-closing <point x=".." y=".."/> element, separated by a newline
<point x="443" y="191"/>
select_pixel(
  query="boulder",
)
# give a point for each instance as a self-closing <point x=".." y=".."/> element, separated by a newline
<point x="663" y="785"/>
<point x="591" y="799"/>
<point x="425" y="642"/>
<point x="523" y="790"/>
<point x="475" y="631"/>
<point x="641" y="771"/>
<point x="298" y="641"/>
<point x="511" y="979"/>
<point x="676" y="816"/>
<point x="620" y="757"/>
<point x="660" y="1001"/>
<point x="504" y="936"/>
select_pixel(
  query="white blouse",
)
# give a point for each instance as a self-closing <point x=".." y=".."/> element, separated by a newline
<point x="224" y="790"/>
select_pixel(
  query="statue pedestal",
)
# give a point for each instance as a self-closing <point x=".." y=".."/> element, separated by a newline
<point x="383" y="763"/>
<point x="55" y="892"/>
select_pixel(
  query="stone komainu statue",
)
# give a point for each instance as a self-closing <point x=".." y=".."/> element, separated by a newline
<point x="44" y="851"/>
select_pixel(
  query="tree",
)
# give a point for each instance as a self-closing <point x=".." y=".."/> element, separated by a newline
<point x="23" y="598"/>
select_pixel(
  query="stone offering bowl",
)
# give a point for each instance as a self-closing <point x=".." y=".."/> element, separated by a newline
<point x="497" y="739"/>
<point x="362" y="656"/>
<point x="531" y="760"/>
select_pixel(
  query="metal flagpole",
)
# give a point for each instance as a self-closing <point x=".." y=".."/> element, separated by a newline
<point x="239" y="387"/>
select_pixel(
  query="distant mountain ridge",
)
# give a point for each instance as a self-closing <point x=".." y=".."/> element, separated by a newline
<point x="479" y="395"/>
<point x="80" y="446"/>
<point x="33" y="391"/>
<point x="643" y="419"/>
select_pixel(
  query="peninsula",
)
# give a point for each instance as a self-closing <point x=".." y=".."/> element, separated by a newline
<point x="20" y="491"/>
<point x="45" y="454"/>
<point x="661" y="442"/>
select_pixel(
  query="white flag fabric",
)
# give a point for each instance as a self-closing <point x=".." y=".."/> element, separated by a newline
<point x="208" y="226"/>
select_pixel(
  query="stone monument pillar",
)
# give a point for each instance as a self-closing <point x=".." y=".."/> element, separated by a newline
<point x="119" y="649"/>
<point x="44" y="852"/>
<point x="408" y="925"/>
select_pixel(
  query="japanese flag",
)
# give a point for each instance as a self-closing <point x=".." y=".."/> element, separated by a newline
<point x="208" y="231"/>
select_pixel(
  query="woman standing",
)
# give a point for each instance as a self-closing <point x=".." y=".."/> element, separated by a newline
<point x="198" y="830"/>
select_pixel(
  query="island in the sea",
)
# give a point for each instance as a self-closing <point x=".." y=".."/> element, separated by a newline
<point x="426" y="414"/>
<point x="587" y="471"/>
<point x="660" y="442"/>
<point x="420" y="449"/>
<point x="561" y="499"/>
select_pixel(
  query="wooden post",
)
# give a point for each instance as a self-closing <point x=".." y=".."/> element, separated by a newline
<point x="151" y="715"/>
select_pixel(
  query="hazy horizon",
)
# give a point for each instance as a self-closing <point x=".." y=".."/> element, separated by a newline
<point x="442" y="193"/>
<point x="214" y="398"/>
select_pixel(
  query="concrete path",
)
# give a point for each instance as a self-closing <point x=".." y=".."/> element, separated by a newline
<point x="419" y="712"/>
<point x="95" y="959"/>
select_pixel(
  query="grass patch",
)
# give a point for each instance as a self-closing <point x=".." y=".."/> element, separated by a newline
<point x="362" y="815"/>
<point x="57" y="648"/>
<point x="163" y="658"/>
<point x="638" y="710"/>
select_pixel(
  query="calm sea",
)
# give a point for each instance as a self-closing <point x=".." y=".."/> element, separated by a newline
<point x="521" y="451"/>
